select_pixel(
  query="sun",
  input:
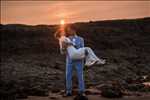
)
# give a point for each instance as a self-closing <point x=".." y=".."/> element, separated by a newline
<point x="62" y="22"/>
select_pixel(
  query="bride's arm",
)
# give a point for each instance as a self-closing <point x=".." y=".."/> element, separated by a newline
<point x="64" y="42"/>
<point x="62" y="48"/>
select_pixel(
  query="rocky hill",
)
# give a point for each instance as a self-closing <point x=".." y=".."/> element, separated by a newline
<point x="31" y="62"/>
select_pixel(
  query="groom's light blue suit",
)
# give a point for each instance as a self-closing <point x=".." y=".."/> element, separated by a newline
<point x="78" y="64"/>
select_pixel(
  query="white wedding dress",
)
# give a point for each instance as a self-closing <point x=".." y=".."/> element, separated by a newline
<point x="81" y="53"/>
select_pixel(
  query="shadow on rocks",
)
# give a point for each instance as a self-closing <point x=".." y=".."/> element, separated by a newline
<point x="9" y="90"/>
<point x="111" y="91"/>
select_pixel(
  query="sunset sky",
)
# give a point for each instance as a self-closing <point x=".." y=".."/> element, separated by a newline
<point x="51" y="12"/>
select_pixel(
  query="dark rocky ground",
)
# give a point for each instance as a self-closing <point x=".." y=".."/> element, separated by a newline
<point x="31" y="63"/>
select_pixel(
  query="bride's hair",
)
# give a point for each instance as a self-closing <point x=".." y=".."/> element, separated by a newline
<point x="69" y="30"/>
<point x="57" y="34"/>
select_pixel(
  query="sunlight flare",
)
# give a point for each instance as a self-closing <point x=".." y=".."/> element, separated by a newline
<point x="62" y="22"/>
<point x="62" y="26"/>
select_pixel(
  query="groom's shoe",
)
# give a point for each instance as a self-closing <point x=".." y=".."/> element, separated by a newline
<point x="81" y="97"/>
<point x="67" y="95"/>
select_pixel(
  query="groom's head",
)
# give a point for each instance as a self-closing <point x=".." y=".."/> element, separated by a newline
<point x="70" y="31"/>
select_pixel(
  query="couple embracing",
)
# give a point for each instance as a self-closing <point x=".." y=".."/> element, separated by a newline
<point x="77" y="56"/>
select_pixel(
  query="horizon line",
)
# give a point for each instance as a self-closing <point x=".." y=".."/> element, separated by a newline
<point x="77" y="21"/>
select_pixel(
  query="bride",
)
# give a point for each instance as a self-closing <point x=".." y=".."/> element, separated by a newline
<point x="75" y="54"/>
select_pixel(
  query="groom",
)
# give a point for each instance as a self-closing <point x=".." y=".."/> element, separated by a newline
<point x="78" y="64"/>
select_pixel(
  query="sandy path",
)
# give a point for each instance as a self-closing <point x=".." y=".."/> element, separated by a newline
<point x="90" y="97"/>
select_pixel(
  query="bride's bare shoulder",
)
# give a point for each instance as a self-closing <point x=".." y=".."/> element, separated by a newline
<point x="64" y="39"/>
